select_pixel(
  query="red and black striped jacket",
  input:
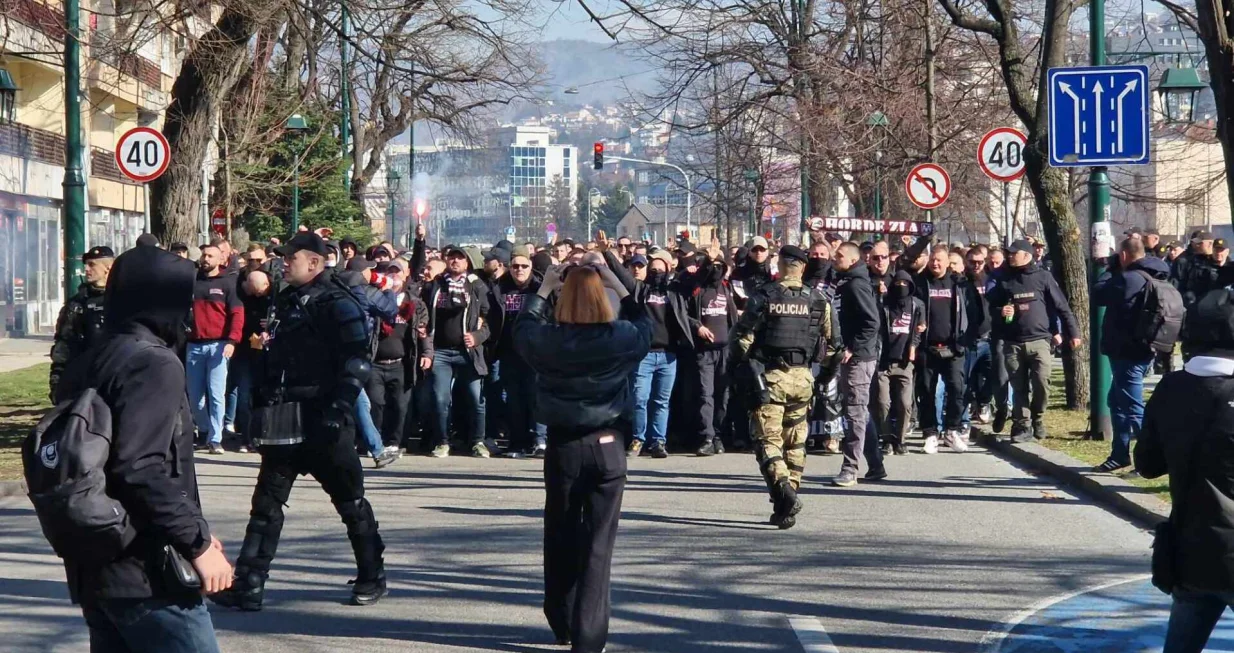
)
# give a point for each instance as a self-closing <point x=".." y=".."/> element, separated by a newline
<point x="218" y="313"/>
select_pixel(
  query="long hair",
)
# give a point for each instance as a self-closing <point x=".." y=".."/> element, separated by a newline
<point x="583" y="300"/>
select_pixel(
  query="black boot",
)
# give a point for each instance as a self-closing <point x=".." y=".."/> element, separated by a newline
<point x="787" y="505"/>
<point x="368" y="592"/>
<point x="246" y="593"/>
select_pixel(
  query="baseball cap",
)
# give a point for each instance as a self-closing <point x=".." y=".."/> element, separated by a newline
<point x="357" y="264"/>
<point x="758" y="241"/>
<point x="1201" y="235"/>
<point x="97" y="252"/>
<point x="795" y="253"/>
<point x="663" y="256"/>
<point x="638" y="259"/>
<point x="306" y="241"/>
<point x="452" y="249"/>
<point x="177" y="247"/>
<point x="497" y="254"/>
<point x="1021" y="246"/>
<point x="1219" y="244"/>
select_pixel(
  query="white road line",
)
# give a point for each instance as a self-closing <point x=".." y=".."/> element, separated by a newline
<point x="812" y="636"/>
<point x="992" y="642"/>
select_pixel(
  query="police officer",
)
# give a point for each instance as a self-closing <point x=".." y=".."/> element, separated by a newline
<point x="316" y="364"/>
<point x="785" y="328"/>
<point x="80" y="324"/>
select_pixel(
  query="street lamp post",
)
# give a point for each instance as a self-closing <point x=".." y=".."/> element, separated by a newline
<point x="74" y="206"/>
<point x="1180" y="85"/>
<point x="392" y="189"/>
<point x="1098" y="211"/>
<point x="591" y="207"/>
<point x="878" y="120"/>
<point x="689" y="189"/>
<point x="296" y="125"/>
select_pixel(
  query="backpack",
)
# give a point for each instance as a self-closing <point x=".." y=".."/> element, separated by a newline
<point x="1160" y="319"/>
<point x="65" y="458"/>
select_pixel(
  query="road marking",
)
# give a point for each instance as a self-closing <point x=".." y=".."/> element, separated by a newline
<point x="812" y="636"/>
<point x="992" y="642"/>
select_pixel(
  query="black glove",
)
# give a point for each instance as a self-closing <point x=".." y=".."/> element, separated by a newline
<point x="333" y="419"/>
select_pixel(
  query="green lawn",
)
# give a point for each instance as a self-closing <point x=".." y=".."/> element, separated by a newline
<point x="1068" y="428"/>
<point x="23" y="400"/>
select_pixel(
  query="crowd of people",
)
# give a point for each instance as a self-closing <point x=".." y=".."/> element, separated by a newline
<point x="939" y="336"/>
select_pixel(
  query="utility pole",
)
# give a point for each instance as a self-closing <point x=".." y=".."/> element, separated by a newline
<point x="73" y="213"/>
<point x="931" y="136"/>
<point x="1100" y="427"/>
<point x="803" y="25"/>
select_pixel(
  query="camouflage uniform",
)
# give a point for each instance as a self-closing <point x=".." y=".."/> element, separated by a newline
<point x="780" y="419"/>
<point x="79" y="327"/>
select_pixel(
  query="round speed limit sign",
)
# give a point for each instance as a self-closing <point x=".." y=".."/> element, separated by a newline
<point x="1001" y="154"/>
<point x="142" y="154"/>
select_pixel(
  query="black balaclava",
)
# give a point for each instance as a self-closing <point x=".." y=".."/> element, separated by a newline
<point x="153" y="288"/>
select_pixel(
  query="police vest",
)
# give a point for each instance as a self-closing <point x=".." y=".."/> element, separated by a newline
<point x="792" y="322"/>
<point x="300" y="360"/>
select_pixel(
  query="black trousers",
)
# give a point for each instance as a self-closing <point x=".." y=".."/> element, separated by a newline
<point x="584" y="480"/>
<point x="385" y="392"/>
<point x="709" y="379"/>
<point x="333" y="461"/>
<point x="952" y="371"/>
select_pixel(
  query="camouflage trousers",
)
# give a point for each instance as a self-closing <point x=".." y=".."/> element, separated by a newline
<point x="780" y="426"/>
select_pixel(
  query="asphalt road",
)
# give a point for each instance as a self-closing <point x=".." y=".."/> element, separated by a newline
<point x="937" y="558"/>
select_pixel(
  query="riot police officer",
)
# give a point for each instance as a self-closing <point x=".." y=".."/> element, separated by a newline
<point x="785" y="328"/>
<point x="316" y="363"/>
<point x="80" y="324"/>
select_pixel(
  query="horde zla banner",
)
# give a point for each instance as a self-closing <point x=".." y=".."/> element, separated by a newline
<point x="866" y="225"/>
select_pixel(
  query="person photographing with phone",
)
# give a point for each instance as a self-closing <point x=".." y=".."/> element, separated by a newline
<point x="583" y="356"/>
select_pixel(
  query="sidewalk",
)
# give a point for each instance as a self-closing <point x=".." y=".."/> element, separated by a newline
<point x="20" y="353"/>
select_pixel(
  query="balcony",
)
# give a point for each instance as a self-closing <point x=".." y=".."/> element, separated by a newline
<point x="103" y="166"/>
<point x="33" y="144"/>
<point x="104" y="49"/>
<point x="46" y="19"/>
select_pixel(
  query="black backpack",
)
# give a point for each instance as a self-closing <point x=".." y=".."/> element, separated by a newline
<point x="1160" y="319"/>
<point x="65" y="458"/>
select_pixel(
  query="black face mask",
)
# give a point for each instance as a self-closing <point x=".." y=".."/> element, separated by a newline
<point x="657" y="279"/>
<point x="900" y="292"/>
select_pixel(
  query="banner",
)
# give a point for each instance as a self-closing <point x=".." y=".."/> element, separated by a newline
<point x="872" y="226"/>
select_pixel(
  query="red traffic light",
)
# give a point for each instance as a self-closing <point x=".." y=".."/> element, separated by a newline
<point x="599" y="156"/>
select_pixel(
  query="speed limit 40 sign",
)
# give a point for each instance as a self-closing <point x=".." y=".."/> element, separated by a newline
<point x="1001" y="154"/>
<point x="142" y="154"/>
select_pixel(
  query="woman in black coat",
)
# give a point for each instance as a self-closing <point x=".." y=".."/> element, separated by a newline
<point x="583" y="357"/>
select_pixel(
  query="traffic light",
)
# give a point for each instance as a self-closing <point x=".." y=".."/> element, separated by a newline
<point x="599" y="160"/>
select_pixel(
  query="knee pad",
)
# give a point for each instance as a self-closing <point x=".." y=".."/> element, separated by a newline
<point x="358" y="515"/>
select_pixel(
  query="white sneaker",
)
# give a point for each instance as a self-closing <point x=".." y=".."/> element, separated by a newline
<point x="441" y="451"/>
<point x="931" y="444"/>
<point x="955" y="441"/>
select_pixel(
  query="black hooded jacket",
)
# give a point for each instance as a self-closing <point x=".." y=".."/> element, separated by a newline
<point x="901" y="318"/>
<point x="137" y="372"/>
<point x="1039" y="304"/>
<point x="859" y="312"/>
<point x="709" y="298"/>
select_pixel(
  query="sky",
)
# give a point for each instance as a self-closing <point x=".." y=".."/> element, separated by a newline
<point x="567" y="20"/>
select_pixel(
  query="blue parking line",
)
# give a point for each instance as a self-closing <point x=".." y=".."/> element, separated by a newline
<point x="1125" y="617"/>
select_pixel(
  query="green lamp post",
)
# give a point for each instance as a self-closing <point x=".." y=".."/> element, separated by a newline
<point x="296" y="126"/>
<point x="878" y="120"/>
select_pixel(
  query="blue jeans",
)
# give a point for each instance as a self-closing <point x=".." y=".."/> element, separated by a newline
<point x="364" y="422"/>
<point x="653" y="387"/>
<point x="240" y="396"/>
<point x="1192" y="618"/>
<point x="978" y="375"/>
<point x="1126" y="401"/>
<point x="520" y="381"/>
<point x="494" y="398"/>
<point x="150" y="626"/>
<point x="450" y="365"/>
<point x="207" y="386"/>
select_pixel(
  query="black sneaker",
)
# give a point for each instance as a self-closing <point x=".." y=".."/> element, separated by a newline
<point x="719" y="446"/>
<point x="1039" y="431"/>
<point x="1022" y="435"/>
<point x="215" y="449"/>
<point x="657" y="450"/>
<point x="246" y="593"/>
<point x="368" y="592"/>
<point x="887" y="448"/>
<point x="707" y="449"/>
<point x="899" y="449"/>
<point x="876" y="474"/>
<point x="1110" y="466"/>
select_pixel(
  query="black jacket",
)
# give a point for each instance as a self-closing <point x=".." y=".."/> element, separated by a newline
<point x="79" y="327"/>
<point x="965" y="316"/>
<point x="710" y="284"/>
<point x="1188" y="433"/>
<point x="679" y="328"/>
<point x="475" y="316"/>
<point x="899" y="331"/>
<point x="150" y="470"/>
<point x="858" y="312"/>
<point x="748" y="277"/>
<point x="1039" y="303"/>
<point x="513" y="300"/>
<point x="1122" y="292"/>
<point x="583" y="370"/>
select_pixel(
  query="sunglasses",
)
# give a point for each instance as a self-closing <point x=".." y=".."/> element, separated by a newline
<point x="879" y="257"/>
<point x="520" y="266"/>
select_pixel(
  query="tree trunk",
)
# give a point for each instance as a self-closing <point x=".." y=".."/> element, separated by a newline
<point x="1221" y="75"/>
<point x="206" y="78"/>
<point x="1062" y="234"/>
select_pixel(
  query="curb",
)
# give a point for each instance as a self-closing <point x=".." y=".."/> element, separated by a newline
<point x="12" y="489"/>
<point x="1112" y="492"/>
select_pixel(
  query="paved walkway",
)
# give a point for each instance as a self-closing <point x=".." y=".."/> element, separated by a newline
<point x="20" y="353"/>
<point x="938" y="558"/>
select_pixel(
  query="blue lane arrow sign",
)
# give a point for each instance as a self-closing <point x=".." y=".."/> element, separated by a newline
<point x="1099" y="115"/>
